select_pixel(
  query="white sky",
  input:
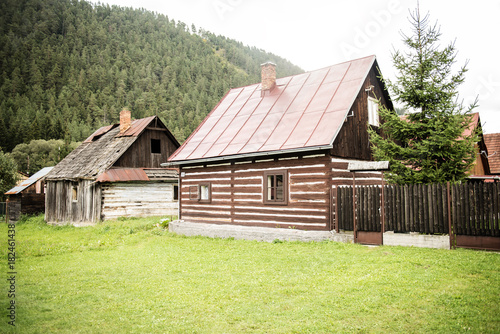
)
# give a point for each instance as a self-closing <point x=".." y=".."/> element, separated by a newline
<point x="318" y="33"/>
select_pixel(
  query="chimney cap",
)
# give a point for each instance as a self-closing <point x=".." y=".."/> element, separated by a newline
<point x="268" y="63"/>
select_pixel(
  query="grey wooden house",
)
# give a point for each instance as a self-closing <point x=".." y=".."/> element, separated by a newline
<point x="115" y="172"/>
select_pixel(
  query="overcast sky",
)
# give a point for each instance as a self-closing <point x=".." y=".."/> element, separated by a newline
<point x="317" y="33"/>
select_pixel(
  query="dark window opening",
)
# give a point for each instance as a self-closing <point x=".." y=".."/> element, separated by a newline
<point x="74" y="192"/>
<point x="176" y="193"/>
<point x="156" y="146"/>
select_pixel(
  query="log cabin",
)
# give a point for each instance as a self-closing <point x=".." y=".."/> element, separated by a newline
<point x="115" y="173"/>
<point x="272" y="154"/>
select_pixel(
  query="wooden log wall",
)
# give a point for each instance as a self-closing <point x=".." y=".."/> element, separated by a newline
<point x="61" y="208"/>
<point x="13" y="209"/>
<point x="32" y="203"/>
<point x="139" y="154"/>
<point x="28" y="203"/>
<point x="353" y="140"/>
<point x="138" y="200"/>
<point x="237" y="193"/>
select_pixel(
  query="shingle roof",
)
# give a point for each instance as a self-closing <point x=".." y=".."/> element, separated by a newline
<point x="492" y="141"/>
<point x="98" y="152"/>
<point x="28" y="182"/>
<point x="303" y="111"/>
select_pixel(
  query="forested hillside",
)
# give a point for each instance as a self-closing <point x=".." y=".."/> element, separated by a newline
<point x="68" y="66"/>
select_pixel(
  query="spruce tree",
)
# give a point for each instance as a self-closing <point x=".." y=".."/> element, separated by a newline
<point x="427" y="145"/>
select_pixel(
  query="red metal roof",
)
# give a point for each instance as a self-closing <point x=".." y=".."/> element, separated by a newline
<point x="123" y="175"/>
<point x="137" y="174"/>
<point x="303" y="111"/>
<point x="136" y="128"/>
<point x="99" y="132"/>
<point x="492" y="141"/>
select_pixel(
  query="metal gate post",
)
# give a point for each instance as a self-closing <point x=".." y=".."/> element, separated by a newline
<point x="450" y="230"/>
<point x="382" y="199"/>
<point x="354" y="227"/>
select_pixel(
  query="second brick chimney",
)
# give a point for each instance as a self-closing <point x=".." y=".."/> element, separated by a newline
<point x="125" y="120"/>
<point x="268" y="77"/>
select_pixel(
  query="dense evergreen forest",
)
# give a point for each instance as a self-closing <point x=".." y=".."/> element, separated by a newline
<point x="68" y="67"/>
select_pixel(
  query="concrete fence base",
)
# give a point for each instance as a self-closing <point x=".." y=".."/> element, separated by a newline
<point x="270" y="234"/>
<point x="416" y="240"/>
<point x="255" y="233"/>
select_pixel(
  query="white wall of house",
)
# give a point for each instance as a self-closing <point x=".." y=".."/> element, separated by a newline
<point x="138" y="200"/>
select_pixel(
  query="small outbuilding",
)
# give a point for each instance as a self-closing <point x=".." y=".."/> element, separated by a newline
<point x="28" y="197"/>
<point x="115" y="172"/>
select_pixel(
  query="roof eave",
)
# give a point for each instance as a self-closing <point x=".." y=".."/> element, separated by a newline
<point x="245" y="155"/>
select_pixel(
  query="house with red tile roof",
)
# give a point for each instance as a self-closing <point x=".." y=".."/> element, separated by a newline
<point x="115" y="172"/>
<point x="272" y="154"/>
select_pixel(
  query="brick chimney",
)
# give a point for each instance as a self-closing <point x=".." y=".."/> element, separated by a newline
<point x="125" y="120"/>
<point x="268" y="75"/>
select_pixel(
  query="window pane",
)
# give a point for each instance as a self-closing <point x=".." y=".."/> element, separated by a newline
<point x="270" y="187"/>
<point x="279" y="193"/>
<point x="204" y="192"/>
<point x="279" y="187"/>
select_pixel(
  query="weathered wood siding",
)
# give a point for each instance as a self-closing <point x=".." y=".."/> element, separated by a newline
<point x="25" y="203"/>
<point x="139" y="154"/>
<point x="237" y="193"/>
<point x="138" y="200"/>
<point x="353" y="140"/>
<point x="61" y="208"/>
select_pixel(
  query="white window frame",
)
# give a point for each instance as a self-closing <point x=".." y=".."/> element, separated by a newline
<point x="373" y="117"/>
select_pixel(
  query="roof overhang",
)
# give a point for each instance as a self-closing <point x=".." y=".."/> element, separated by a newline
<point x="244" y="156"/>
<point x="367" y="165"/>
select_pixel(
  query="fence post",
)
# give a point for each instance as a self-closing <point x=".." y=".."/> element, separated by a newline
<point x="336" y="209"/>
<point x="382" y="199"/>
<point x="354" y="227"/>
<point x="450" y="230"/>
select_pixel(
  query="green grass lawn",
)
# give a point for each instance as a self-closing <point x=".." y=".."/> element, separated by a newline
<point x="130" y="276"/>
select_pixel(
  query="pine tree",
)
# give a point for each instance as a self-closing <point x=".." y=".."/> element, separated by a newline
<point x="427" y="145"/>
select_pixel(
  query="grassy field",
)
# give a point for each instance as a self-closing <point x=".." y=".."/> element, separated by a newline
<point x="130" y="276"/>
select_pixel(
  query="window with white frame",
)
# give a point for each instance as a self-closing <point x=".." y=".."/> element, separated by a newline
<point x="373" y="118"/>
<point x="204" y="193"/>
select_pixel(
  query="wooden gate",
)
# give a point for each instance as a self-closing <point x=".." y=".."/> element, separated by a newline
<point x="360" y="210"/>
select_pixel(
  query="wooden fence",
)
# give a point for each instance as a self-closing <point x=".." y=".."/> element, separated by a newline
<point x="3" y="208"/>
<point x="472" y="209"/>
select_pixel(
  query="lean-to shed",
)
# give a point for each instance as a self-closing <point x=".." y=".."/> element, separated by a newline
<point x="115" y="172"/>
<point x="28" y="197"/>
<point x="272" y="154"/>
